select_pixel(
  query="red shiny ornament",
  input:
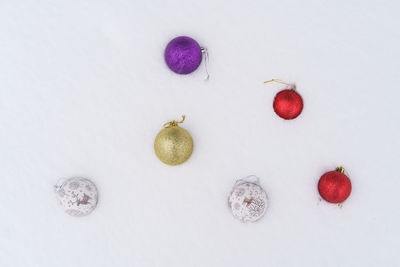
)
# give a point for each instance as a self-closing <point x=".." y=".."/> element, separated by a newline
<point x="288" y="104"/>
<point x="334" y="186"/>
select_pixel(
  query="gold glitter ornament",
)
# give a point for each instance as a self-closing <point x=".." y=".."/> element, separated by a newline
<point x="173" y="144"/>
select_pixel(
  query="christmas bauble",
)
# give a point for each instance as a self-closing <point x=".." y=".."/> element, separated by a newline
<point x="334" y="186"/>
<point x="183" y="55"/>
<point x="288" y="104"/>
<point x="173" y="144"/>
<point x="248" y="200"/>
<point x="77" y="196"/>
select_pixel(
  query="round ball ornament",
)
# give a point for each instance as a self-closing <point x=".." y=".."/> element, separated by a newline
<point x="77" y="196"/>
<point x="183" y="55"/>
<point x="335" y="186"/>
<point x="248" y="200"/>
<point x="173" y="144"/>
<point x="288" y="104"/>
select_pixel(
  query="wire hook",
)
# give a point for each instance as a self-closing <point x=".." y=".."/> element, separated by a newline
<point x="204" y="51"/>
<point x="174" y="123"/>
<point x="291" y="85"/>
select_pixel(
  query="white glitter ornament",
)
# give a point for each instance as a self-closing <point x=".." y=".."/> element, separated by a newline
<point x="77" y="196"/>
<point x="248" y="200"/>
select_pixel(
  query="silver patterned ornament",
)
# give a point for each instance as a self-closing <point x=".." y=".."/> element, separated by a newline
<point x="248" y="200"/>
<point x="77" y="196"/>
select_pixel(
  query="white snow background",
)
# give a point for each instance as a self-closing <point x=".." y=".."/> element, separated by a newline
<point x="84" y="90"/>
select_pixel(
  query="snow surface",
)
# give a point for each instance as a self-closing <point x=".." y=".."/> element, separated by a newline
<point x="84" y="90"/>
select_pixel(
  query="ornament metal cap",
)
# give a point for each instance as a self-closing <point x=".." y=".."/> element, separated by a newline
<point x="341" y="169"/>
<point x="173" y="145"/>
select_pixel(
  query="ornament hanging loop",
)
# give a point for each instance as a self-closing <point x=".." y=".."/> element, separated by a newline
<point x="249" y="179"/>
<point x="174" y="123"/>
<point x="291" y="85"/>
<point x="204" y="51"/>
<point x="57" y="188"/>
<point x="58" y="185"/>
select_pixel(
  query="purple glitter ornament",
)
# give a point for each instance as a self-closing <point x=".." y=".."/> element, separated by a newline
<point x="183" y="55"/>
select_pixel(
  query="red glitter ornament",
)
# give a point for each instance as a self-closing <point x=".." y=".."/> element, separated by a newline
<point x="334" y="186"/>
<point x="288" y="104"/>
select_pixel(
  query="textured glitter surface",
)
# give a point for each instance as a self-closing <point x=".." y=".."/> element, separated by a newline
<point x="183" y="55"/>
<point x="173" y="145"/>
<point x="288" y="104"/>
<point x="334" y="187"/>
